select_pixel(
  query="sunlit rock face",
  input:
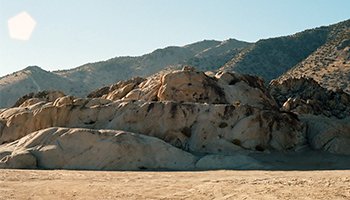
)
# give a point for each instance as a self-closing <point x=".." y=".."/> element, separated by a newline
<point x="183" y="114"/>
<point x="197" y="128"/>
<point x="63" y="148"/>
<point x="204" y="128"/>
<point x="188" y="85"/>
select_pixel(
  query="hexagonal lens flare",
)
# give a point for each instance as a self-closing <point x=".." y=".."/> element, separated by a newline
<point x="21" y="26"/>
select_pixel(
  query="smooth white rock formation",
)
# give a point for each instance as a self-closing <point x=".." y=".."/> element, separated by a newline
<point x="64" y="148"/>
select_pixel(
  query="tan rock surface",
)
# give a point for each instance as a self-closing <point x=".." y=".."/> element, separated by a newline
<point x="225" y="115"/>
<point x="206" y="128"/>
<point x="192" y="86"/>
<point x="62" y="148"/>
<point x="118" y="90"/>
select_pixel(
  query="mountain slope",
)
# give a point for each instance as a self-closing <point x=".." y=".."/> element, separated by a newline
<point x="33" y="79"/>
<point x="270" y="58"/>
<point x="329" y="65"/>
<point x="218" y="55"/>
<point x="207" y="54"/>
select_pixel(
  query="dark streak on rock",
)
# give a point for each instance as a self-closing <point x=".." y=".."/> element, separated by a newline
<point x="223" y="125"/>
<point x="259" y="148"/>
<point x="229" y="110"/>
<point x="90" y="122"/>
<point x="150" y="106"/>
<point x="187" y="131"/>
<point x="236" y="142"/>
<point x="173" y="109"/>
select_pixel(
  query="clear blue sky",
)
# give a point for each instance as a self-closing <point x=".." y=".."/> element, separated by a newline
<point x="70" y="33"/>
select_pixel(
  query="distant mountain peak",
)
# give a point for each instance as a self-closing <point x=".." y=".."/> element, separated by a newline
<point x="33" y="69"/>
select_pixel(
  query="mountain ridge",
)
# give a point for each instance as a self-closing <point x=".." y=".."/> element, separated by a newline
<point x="268" y="58"/>
<point x="329" y="65"/>
<point x="81" y="80"/>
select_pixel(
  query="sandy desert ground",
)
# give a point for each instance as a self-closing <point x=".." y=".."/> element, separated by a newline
<point x="224" y="184"/>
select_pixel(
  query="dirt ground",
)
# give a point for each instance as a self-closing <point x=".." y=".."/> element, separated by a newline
<point x="224" y="184"/>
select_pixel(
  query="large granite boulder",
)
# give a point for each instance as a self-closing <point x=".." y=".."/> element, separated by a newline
<point x="63" y="148"/>
<point x="328" y="134"/>
<point x="118" y="90"/>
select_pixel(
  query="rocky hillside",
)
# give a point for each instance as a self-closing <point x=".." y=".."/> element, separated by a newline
<point x="177" y="120"/>
<point x="270" y="58"/>
<point x="216" y="56"/>
<point x="329" y="65"/>
<point x="34" y="79"/>
<point x="207" y="54"/>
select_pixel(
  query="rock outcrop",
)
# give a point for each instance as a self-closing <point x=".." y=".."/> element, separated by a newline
<point x="202" y="128"/>
<point x="182" y="119"/>
<point x="327" y="134"/>
<point x="188" y="85"/>
<point x="306" y="96"/>
<point x="63" y="148"/>
<point x="42" y="96"/>
<point x="118" y="90"/>
<point x="325" y="112"/>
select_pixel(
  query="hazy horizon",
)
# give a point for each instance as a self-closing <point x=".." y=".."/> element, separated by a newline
<point x="69" y="34"/>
